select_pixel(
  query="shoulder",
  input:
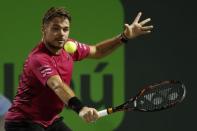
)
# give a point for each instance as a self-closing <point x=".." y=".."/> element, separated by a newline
<point x="39" y="53"/>
<point x="38" y="56"/>
<point x="83" y="50"/>
<point x="36" y="59"/>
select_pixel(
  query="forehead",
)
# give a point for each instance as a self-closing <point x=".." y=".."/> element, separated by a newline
<point x="59" y="21"/>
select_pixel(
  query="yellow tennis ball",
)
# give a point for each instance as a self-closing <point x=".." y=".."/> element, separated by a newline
<point x="70" y="46"/>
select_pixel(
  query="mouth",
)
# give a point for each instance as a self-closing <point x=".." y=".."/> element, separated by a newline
<point x="60" y="40"/>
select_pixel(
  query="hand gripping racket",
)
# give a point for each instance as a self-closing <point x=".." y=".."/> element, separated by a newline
<point x="155" y="97"/>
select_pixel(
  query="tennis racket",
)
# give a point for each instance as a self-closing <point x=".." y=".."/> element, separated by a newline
<point x="154" y="97"/>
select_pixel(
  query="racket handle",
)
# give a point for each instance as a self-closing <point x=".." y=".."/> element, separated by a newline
<point x="103" y="113"/>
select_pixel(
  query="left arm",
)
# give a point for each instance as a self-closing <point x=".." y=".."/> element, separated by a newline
<point x="131" y="31"/>
<point x="105" y="47"/>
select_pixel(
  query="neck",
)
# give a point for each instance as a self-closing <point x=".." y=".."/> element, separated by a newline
<point x="52" y="49"/>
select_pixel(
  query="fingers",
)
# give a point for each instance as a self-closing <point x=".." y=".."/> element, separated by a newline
<point x="136" y="21"/>
<point x="95" y="114"/>
<point x="146" y="32"/>
<point x="137" y="18"/>
<point x="145" y="28"/>
<point x="144" y="21"/>
<point x="89" y="114"/>
<point x="127" y="26"/>
<point x="137" y="28"/>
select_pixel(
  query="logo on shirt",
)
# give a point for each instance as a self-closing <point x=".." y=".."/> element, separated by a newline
<point x="45" y="70"/>
<point x="83" y="46"/>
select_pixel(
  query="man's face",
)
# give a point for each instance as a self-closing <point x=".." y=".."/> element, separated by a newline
<point x="56" y="32"/>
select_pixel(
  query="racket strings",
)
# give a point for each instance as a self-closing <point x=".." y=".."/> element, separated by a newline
<point x="162" y="96"/>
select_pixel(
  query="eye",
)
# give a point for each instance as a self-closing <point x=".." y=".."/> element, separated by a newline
<point x="66" y="29"/>
<point x="55" y="29"/>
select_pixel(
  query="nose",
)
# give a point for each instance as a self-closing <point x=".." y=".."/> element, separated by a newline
<point x="62" y="32"/>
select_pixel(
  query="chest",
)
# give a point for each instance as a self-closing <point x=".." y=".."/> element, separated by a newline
<point x="64" y="66"/>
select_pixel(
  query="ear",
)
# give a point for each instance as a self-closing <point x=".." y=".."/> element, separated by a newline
<point x="43" y="29"/>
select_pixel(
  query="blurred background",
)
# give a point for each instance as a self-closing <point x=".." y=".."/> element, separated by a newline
<point x="167" y="53"/>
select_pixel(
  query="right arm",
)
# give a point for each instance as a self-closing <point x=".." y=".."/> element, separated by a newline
<point x="66" y="94"/>
<point x="63" y="91"/>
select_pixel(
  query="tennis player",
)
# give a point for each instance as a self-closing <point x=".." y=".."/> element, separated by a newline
<point x="44" y="86"/>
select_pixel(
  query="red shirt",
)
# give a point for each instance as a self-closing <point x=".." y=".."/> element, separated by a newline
<point x="34" y="100"/>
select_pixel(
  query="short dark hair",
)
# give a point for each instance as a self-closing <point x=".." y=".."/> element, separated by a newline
<point x="55" y="12"/>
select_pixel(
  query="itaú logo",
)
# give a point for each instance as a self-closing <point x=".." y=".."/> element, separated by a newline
<point x="106" y="87"/>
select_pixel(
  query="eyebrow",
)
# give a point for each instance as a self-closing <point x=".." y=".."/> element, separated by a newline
<point x="56" y="25"/>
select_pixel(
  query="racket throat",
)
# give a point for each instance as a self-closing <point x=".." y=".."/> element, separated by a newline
<point x="131" y="106"/>
<point x="110" y="110"/>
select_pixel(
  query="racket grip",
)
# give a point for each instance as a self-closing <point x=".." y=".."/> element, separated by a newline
<point x="103" y="113"/>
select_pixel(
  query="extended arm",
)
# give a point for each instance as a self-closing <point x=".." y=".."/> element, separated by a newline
<point x="131" y="31"/>
<point x="63" y="91"/>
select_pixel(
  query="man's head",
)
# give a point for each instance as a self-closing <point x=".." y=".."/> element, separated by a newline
<point x="56" y="27"/>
